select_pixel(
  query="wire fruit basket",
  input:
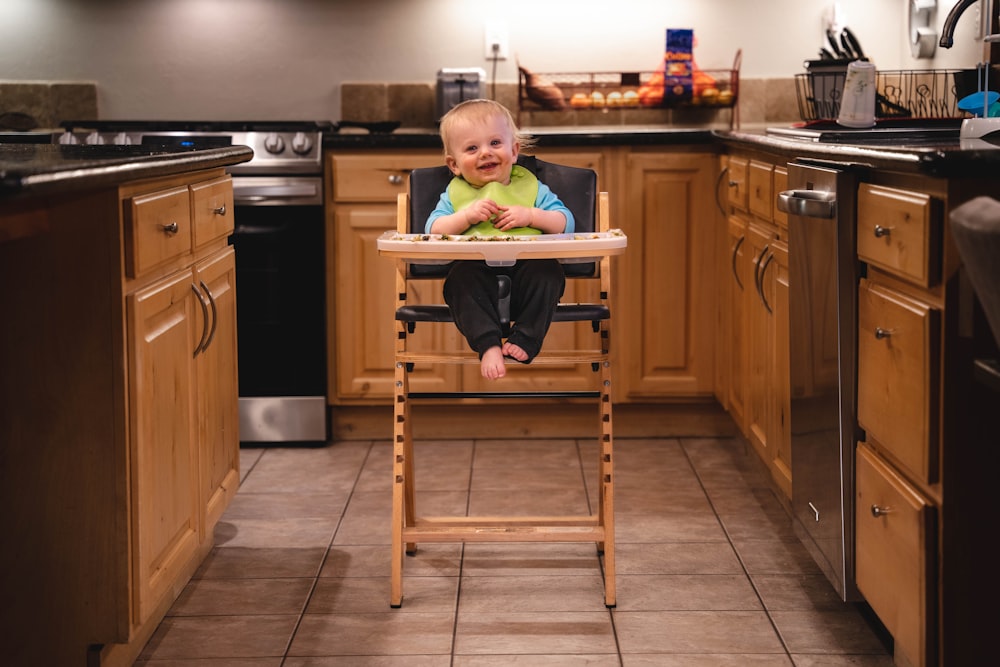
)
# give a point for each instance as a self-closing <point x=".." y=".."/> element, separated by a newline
<point x="899" y="93"/>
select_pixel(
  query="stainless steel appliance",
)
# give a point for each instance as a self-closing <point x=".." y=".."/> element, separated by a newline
<point x="457" y="84"/>
<point x="280" y="266"/>
<point x="823" y="279"/>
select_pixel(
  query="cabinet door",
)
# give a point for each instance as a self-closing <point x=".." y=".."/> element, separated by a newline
<point x="667" y="291"/>
<point x="163" y="333"/>
<point x="364" y="288"/>
<point x="218" y="390"/>
<point x="777" y="280"/>
<point x="738" y="276"/>
<point x="760" y="326"/>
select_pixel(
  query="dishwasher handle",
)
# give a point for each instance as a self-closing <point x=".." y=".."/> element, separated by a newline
<point x="808" y="203"/>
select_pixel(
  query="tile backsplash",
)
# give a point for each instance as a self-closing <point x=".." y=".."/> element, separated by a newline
<point x="48" y="103"/>
<point x="761" y="101"/>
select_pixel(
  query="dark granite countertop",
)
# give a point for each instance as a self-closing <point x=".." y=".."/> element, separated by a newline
<point x="39" y="169"/>
<point x="943" y="157"/>
<point x="616" y="135"/>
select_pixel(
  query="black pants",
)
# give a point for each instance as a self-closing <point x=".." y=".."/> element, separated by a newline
<point x="470" y="290"/>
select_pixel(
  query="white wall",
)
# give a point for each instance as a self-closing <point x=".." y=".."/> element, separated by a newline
<point x="282" y="59"/>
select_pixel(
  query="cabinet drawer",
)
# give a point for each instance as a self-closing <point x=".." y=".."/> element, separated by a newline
<point x="157" y="228"/>
<point x="212" y="209"/>
<point x="895" y="543"/>
<point x="737" y="181"/>
<point x="898" y="376"/>
<point x="897" y="231"/>
<point x="376" y="177"/>
<point x="760" y="190"/>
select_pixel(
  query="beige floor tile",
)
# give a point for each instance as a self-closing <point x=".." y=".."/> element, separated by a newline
<point x="212" y="662"/>
<point x="260" y="563"/>
<point x="705" y="660"/>
<point x="677" y="558"/>
<point x="275" y="533"/>
<point x="687" y="592"/>
<point x="805" y="592"/>
<point x="529" y="500"/>
<point x="775" y="556"/>
<point x="371" y="661"/>
<point x="178" y="637"/>
<point x="531" y="559"/>
<point x="430" y="560"/>
<point x="242" y="597"/>
<point x="247" y="505"/>
<point x="667" y="526"/>
<point x="843" y="660"/>
<point x="571" y="660"/>
<point x="734" y="632"/>
<point x="366" y="595"/>
<point x="395" y="632"/>
<point x="831" y="632"/>
<point x="307" y="469"/>
<point x="538" y="633"/>
<point x="512" y="594"/>
<point x="367" y="519"/>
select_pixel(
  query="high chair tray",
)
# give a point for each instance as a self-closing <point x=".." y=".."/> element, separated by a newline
<point x="502" y="250"/>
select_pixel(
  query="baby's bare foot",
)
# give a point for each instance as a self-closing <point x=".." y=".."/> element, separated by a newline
<point x="492" y="364"/>
<point x="514" y="352"/>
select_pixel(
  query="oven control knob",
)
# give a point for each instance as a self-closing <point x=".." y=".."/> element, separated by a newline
<point x="301" y="143"/>
<point x="122" y="139"/>
<point x="273" y="143"/>
<point x="94" y="139"/>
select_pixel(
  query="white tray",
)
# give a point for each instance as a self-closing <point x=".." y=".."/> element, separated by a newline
<point x="502" y="250"/>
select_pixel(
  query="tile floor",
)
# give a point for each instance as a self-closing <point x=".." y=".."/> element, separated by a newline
<point x="709" y="571"/>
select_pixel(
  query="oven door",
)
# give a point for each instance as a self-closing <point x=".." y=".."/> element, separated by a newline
<point x="281" y="321"/>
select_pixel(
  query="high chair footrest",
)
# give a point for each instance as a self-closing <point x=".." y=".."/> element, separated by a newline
<point x="565" y="312"/>
<point x="502" y="394"/>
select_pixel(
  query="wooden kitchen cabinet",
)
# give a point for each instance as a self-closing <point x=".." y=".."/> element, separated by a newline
<point x="755" y="267"/>
<point x="127" y="423"/>
<point x="667" y="288"/>
<point x="665" y="296"/>
<point x="182" y="381"/>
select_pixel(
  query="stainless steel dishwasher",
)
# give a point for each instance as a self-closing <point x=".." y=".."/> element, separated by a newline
<point x="822" y="307"/>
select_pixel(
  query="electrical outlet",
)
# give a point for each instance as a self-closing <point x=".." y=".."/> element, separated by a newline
<point x="496" y="41"/>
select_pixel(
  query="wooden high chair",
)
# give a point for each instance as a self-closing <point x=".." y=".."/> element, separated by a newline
<point x="578" y="190"/>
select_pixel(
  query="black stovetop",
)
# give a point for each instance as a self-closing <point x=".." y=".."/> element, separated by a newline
<point x="199" y="126"/>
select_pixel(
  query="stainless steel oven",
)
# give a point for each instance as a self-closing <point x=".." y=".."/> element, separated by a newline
<point x="280" y="263"/>
<point x="822" y="306"/>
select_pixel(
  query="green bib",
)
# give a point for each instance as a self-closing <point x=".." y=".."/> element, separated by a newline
<point x="522" y="191"/>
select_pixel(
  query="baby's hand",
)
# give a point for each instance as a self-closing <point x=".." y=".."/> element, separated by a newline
<point x="477" y="211"/>
<point x="510" y="217"/>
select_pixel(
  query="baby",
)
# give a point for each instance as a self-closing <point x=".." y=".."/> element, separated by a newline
<point x="491" y="194"/>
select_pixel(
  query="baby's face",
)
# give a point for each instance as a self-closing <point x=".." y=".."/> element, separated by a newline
<point x="482" y="152"/>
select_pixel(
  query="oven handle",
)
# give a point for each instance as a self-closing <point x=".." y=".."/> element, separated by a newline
<point x="277" y="191"/>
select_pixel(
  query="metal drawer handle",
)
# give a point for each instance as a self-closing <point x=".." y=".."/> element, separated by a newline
<point x="881" y="231"/>
<point x="395" y="179"/>
<point x="171" y="228"/>
<point x="220" y="211"/>
<point x="878" y="512"/>
<point x="204" y="318"/>
<point x="736" y="250"/>
<point x="881" y="333"/>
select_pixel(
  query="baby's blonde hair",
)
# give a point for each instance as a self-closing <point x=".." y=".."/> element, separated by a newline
<point x="480" y="110"/>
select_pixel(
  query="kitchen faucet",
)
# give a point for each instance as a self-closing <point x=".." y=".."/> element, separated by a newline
<point x="948" y="29"/>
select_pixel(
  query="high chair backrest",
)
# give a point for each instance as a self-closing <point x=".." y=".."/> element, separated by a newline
<point x="575" y="186"/>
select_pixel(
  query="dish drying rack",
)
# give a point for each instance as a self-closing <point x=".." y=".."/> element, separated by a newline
<point x="899" y="94"/>
<point x="628" y="92"/>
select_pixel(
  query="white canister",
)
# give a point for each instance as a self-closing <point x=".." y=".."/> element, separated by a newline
<point x="857" y="104"/>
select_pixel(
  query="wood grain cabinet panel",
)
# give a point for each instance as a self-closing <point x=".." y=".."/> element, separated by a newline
<point x="897" y="230"/>
<point x="157" y="228"/>
<point x="760" y="189"/>
<point x="212" y="209"/>
<point x="897" y="376"/>
<point x="895" y="528"/>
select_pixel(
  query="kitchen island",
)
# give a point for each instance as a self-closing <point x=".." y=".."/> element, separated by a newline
<point x="118" y="433"/>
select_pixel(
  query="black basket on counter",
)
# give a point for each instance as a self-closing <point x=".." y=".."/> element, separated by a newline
<point x="899" y="93"/>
